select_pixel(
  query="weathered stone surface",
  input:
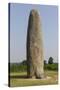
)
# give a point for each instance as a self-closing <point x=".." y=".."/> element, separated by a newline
<point x="35" y="56"/>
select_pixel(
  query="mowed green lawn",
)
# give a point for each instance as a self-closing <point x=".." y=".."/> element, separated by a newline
<point x="19" y="79"/>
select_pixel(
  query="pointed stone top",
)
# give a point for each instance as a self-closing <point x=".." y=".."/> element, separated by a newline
<point x="33" y="11"/>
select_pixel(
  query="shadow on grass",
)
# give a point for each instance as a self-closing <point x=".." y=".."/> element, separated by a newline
<point x="19" y="76"/>
<point x="22" y="77"/>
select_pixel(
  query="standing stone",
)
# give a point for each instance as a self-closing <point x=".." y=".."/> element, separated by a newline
<point x="34" y="47"/>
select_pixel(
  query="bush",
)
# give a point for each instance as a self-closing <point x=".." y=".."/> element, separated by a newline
<point x="51" y="66"/>
<point x="17" y="68"/>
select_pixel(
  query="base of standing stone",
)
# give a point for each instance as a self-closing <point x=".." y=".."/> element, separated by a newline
<point x="35" y="77"/>
<point x="44" y="78"/>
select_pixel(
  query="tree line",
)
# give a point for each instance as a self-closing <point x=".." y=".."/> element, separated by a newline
<point x="22" y="66"/>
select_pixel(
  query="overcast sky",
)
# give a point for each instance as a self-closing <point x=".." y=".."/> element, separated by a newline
<point x="19" y="14"/>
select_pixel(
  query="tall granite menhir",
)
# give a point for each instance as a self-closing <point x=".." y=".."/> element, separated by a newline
<point x="35" y="65"/>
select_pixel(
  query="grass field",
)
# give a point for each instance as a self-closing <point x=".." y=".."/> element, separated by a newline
<point x="19" y="79"/>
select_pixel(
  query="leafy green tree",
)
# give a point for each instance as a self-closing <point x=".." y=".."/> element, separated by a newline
<point x="45" y="62"/>
<point x="24" y="62"/>
<point x="50" y="61"/>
